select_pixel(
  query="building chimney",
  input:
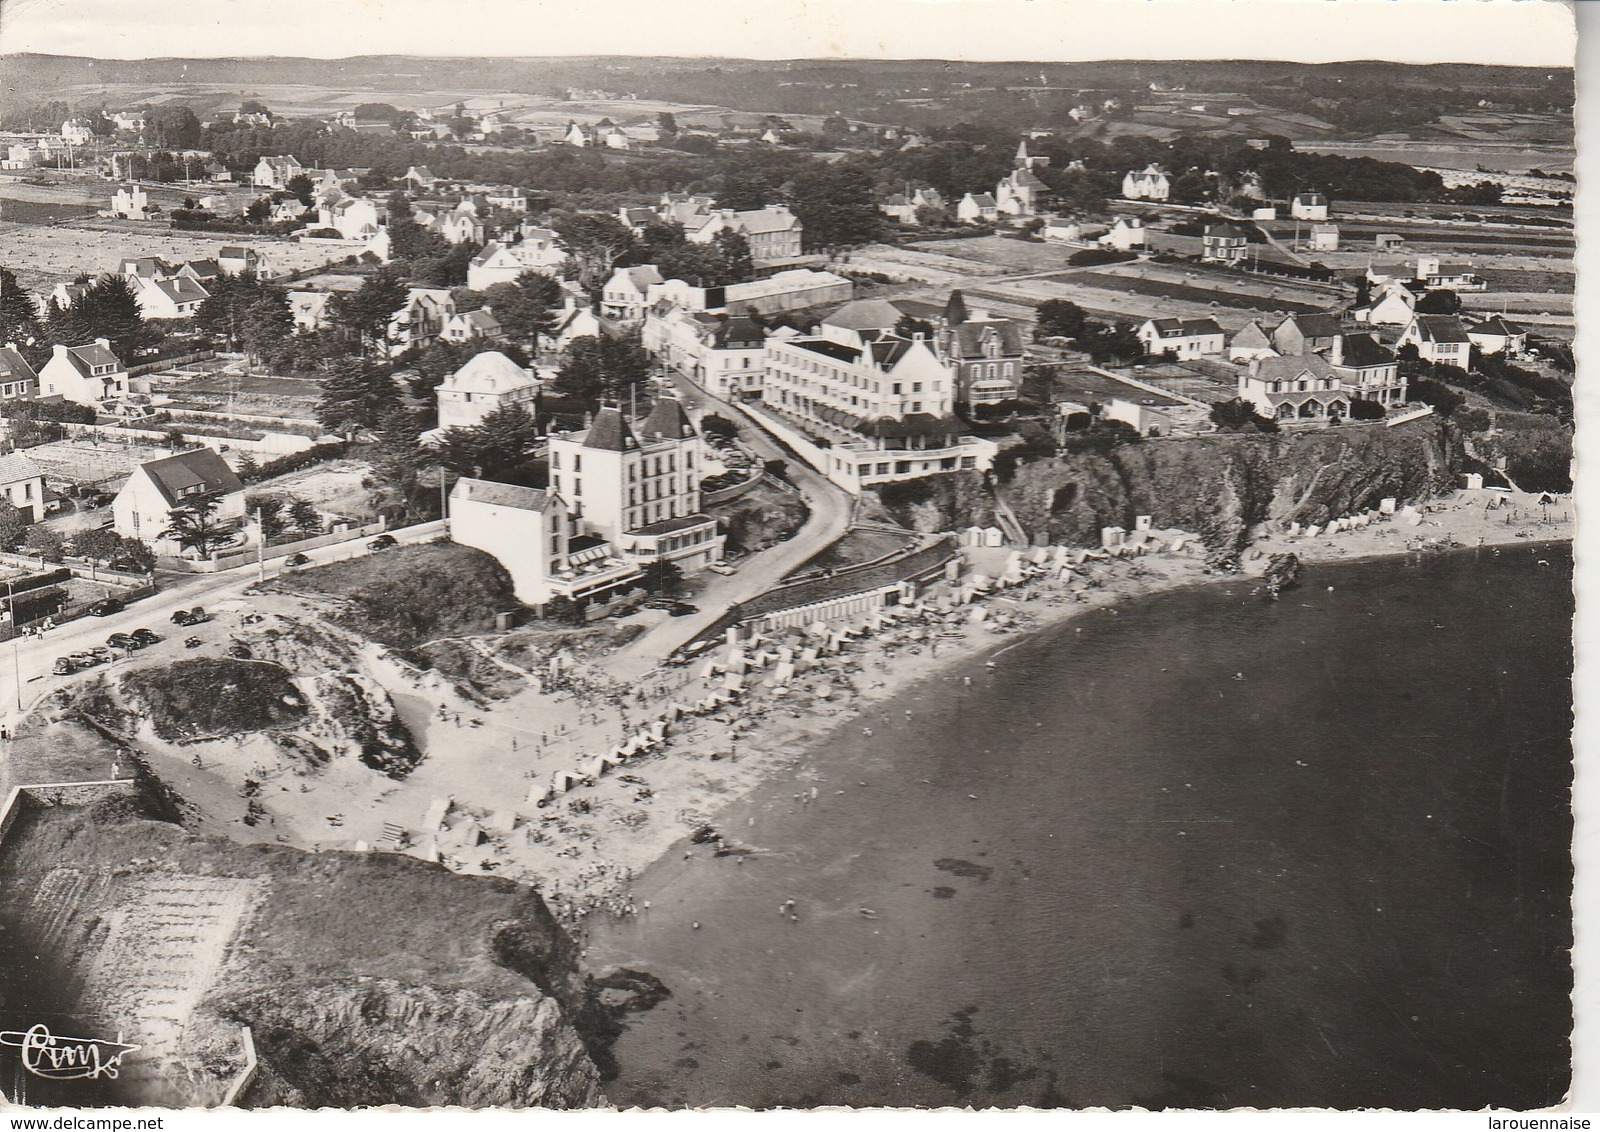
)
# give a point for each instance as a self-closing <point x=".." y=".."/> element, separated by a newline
<point x="1255" y="366"/>
<point x="1336" y="355"/>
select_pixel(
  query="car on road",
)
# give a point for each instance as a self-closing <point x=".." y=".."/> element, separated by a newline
<point x="722" y="568"/>
<point x="682" y="609"/>
<point x="145" y="637"/>
<point x="86" y="659"/>
<point x="64" y="667"/>
<point x="195" y="616"/>
<point x="296" y="560"/>
<point x="382" y="542"/>
<point x="659" y="602"/>
<point x="105" y="607"/>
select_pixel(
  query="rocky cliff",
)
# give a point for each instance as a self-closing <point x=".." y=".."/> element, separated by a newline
<point x="1218" y="486"/>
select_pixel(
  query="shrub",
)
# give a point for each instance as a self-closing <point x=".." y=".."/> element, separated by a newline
<point x="1362" y="409"/>
<point x="1094" y="257"/>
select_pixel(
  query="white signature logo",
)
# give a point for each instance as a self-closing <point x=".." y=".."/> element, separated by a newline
<point x="60" y="1058"/>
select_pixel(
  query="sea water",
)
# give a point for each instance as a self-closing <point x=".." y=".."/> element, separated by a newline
<point x="1201" y="850"/>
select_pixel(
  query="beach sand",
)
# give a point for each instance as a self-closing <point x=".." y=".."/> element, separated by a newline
<point x="487" y="765"/>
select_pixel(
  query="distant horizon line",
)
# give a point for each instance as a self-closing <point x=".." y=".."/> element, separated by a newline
<point x="788" y="59"/>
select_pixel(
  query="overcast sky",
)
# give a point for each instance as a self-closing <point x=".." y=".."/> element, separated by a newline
<point x="1535" y="32"/>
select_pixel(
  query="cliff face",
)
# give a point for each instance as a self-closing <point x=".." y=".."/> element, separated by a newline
<point x="1217" y="486"/>
<point x="364" y="978"/>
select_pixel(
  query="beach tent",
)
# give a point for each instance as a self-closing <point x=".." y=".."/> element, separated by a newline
<point x="501" y="821"/>
<point x="539" y="795"/>
<point x="1294" y="530"/>
<point x="783" y="673"/>
<point x="438" y="809"/>
<point x="1313" y="530"/>
<point x="709" y="672"/>
<point x="974" y="536"/>
<point x="994" y="536"/>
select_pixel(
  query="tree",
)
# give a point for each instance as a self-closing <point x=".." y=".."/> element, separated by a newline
<point x="596" y="240"/>
<point x="20" y="324"/>
<point x="527" y="308"/>
<point x="604" y="368"/>
<point x="1363" y="409"/>
<point x="302" y="187"/>
<point x="45" y="542"/>
<point x="195" y="526"/>
<point x="304" y="517"/>
<point x="107" y="309"/>
<point x="1058" y="318"/>
<point x="12" y="526"/>
<point x="268" y="511"/>
<point x="173" y="126"/>
<point x="1239" y="415"/>
<point x="355" y="396"/>
<point x="367" y="311"/>
<point x="1439" y="302"/>
<point x="257" y="211"/>
<point x="98" y="544"/>
<point x="267" y="323"/>
<point x="493" y="448"/>
<point x="734" y="247"/>
<point x="394" y="483"/>
<point x="663" y="576"/>
<point x="909" y="327"/>
<point x="835" y="205"/>
<point x="136" y="556"/>
<point x="1114" y="343"/>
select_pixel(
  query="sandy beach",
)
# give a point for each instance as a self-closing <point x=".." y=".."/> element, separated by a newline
<point x="473" y="801"/>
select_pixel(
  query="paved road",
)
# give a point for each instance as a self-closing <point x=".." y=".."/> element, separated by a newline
<point x="831" y="510"/>
<point x="28" y="667"/>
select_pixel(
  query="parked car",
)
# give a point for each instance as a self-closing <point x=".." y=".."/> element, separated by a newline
<point x="86" y="659"/>
<point x="722" y="568"/>
<point x="659" y="602"/>
<point x="237" y="651"/>
<point x="296" y="560"/>
<point x="193" y="643"/>
<point x="120" y="641"/>
<point x="682" y="609"/>
<point x="195" y="616"/>
<point x="64" y="667"/>
<point x="382" y="542"/>
<point x="145" y="636"/>
<point x="105" y="607"/>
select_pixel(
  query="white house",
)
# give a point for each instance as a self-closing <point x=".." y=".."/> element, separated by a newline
<point x="22" y="485"/>
<point x="1367" y="370"/>
<point x="626" y="294"/>
<point x="1223" y="243"/>
<point x="275" y="172"/>
<point x="1183" y="337"/>
<point x="177" y="297"/>
<point x="531" y="532"/>
<point x="1250" y="342"/>
<point x="1063" y="230"/>
<point x="157" y="487"/>
<point x="1308" y="206"/>
<point x="1304" y="388"/>
<point x="471" y="325"/>
<point x="578" y="136"/>
<point x="86" y="374"/>
<point x="977" y="208"/>
<point x="130" y="203"/>
<point x="354" y="218"/>
<point x="638" y="487"/>
<point x="1127" y="234"/>
<point x="309" y="310"/>
<point x="422" y="319"/>
<point x="1394" y="304"/>
<point x="1020" y="193"/>
<point x="500" y="263"/>
<point x="18" y="381"/>
<point x="1498" y="336"/>
<point x="1435" y="274"/>
<point x="774" y="232"/>
<point x="75" y="131"/>
<point x="1438" y="338"/>
<point x="1150" y="183"/>
<point x="485" y="383"/>
<point x="1324" y="237"/>
<point x="460" y="227"/>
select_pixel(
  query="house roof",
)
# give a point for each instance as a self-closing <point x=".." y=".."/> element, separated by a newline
<point x="1278" y="368"/>
<point x="667" y="420"/>
<point x="610" y="431"/>
<point x="642" y="276"/>
<point x="1314" y="325"/>
<point x="737" y="333"/>
<point x="865" y="314"/>
<point x="177" y="476"/>
<point x="1497" y="327"/>
<point x="1185" y="327"/>
<point x="912" y="424"/>
<point x="1025" y="179"/>
<point x="504" y="494"/>
<point x="180" y="289"/>
<point x="482" y="319"/>
<point x="233" y="251"/>
<point x="834" y="350"/>
<point x="767" y="220"/>
<point x="205" y="268"/>
<point x="1360" y="350"/>
<point x="1251" y="335"/>
<point x="971" y="338"/>
<point x="1440" y="328"/>
<point x="982" y="200"/>
<point x="1225" y="232"/>
<point x="16" y="468"/>
<point x="92" y="354"/>
<point x="488" y="372"/>
<point x="14" y="367"/>
<point x="669" y="526"/>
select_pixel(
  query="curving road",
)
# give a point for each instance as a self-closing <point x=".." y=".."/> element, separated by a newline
<point x="831" y="510"/>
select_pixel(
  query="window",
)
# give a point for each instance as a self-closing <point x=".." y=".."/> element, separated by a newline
<point x="916" y="406"/>
<point x="916" y="387"/>
<point x="577" y="462"/>
<point x="577" y="487"/>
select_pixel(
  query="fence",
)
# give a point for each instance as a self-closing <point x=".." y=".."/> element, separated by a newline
<point x="220" y="562"/>
<point x="725" y="494"/>
<point x="271" y="443"/>
<point x="170" y="363"/>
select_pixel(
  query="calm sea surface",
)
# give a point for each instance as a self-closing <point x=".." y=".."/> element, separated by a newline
<point x="1205" y="851"/>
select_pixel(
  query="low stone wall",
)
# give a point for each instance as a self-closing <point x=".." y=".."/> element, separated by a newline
<point x="271" y="443"/>
<point x="58" y="794"/>
<point x="708" y="498"/>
